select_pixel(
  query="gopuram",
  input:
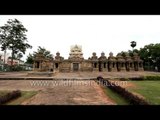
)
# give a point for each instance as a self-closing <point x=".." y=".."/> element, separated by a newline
<point x="76" y="62"/>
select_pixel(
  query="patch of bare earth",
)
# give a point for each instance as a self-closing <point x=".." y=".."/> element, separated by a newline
<point x="71" y="95"/>
<point x="124" y="84"/>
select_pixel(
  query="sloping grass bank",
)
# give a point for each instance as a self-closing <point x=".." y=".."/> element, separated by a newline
<point x="149" y="89"/>
<point x="115" y="96"/>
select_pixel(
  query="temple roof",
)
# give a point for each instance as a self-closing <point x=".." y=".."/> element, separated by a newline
<point x="76" y="52"/>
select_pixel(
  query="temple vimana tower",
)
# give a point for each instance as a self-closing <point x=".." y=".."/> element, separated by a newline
<point x="76" y="62"/>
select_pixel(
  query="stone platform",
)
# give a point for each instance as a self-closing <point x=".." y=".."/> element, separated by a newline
<point x="42" y="74"/>
<point x="72" y="75"/>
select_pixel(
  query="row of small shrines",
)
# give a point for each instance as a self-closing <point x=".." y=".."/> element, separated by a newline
<point x="93" y="63"/>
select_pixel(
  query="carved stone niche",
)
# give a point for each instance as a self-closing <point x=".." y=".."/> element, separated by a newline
<point x="128" y="62"/>
<point x="112" y="63"/>
<point x="94" y="61"/>
<point x="120" y="63"/>
<point x="138" y="63"/>
<point x="102" y="62"/>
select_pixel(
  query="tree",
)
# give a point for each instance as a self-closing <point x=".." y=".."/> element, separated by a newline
<point x="29" y="59"/>
<point x="19" y="56"/>
<point x="3" y="34"/>
<point x="129" y="52"/>
<point x="133" y="44"/>
<point x="123" y="53"/>
<point x="150" y="55"/>
<point x="13" y="37"/>
<point x="47" y="54"/>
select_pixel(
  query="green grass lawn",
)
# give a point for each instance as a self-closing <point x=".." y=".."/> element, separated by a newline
<point x="25" y="95"/>
<point x="2" y="93"/>
<point x="149" y="89"/>
<point x="115" y="97"/>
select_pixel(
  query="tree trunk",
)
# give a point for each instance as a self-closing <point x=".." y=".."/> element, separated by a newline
<point x="4" y="56"/>
<point x="12" y="60"/>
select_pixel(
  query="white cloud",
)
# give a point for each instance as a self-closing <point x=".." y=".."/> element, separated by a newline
<point x="96" y="33"/>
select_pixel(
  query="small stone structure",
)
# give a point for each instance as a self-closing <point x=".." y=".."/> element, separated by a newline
<point x="112" y="66"/>
<point x="94" y="61"/>
<point x="120" y="63"/>
<point x="102" y="62"/>
<point x="42" y="64"/>
<point x="138" y="63"/>
<point x="129" y="63"/>
<point x="76" y="62"/>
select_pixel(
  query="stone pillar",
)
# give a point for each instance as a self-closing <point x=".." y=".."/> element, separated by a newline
<point x="114" y="67"/>
<point x="39" y="66"/>
<point x="136" y="66"/>
<point x="131" y="66"/>
<point x="141" y="66"/>
<point x="79" y="67"/>
<point x="118" y="66"/>
<point x="34" y="66"/>
<point x="127" y="65"/>
<point x="104" y="68"/>
<point x="100" y="66"/>
<point x="123" y="66"/>
<point x="71" y="67"/>
<point x="95" y="68"/>
<point x="110" y="65"/>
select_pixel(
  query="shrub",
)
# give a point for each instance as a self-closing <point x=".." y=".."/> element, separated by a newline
<point x="137" y="78"/>
<point x="145" y="78"/>
<point x="133" y="99"/>
<point x="10" y="96"/>
<point x="152" y="78"/>
<point x="123" y="79"/>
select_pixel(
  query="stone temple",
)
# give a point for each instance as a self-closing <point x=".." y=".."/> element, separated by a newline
<point x="76" y="62"/>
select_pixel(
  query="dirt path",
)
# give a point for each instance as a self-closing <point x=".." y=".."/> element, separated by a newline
<point x="79" y="92"/>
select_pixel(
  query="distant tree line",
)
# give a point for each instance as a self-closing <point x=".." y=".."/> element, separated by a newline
<point x="150" y="54"/>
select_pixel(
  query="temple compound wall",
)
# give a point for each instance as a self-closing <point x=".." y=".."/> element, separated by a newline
<point x="76" y="62"/>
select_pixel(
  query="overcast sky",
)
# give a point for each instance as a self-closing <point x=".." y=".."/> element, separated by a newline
<point x="96" y="33"/>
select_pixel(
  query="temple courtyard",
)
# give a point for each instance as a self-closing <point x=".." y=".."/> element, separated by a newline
<point x="80" y="89"/>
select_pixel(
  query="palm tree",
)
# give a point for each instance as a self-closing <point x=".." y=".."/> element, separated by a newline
<point x="133" y="44"/>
